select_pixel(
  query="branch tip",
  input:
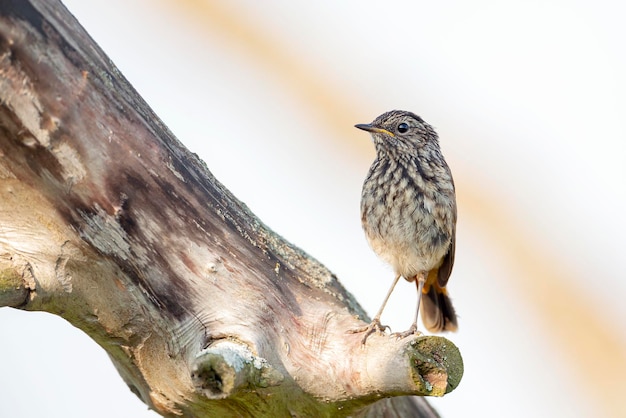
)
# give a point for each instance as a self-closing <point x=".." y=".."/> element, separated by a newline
<point x="437" y="365"/>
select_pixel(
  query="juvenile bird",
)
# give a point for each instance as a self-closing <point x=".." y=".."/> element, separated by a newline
<point x="408" y="213"/>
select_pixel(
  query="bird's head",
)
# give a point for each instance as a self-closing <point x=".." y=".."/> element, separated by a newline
<point x="400" y="132"/>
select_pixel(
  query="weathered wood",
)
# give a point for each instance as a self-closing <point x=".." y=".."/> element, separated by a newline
<point x="108" y="221"/>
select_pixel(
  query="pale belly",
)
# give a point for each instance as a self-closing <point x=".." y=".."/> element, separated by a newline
<point x="408" y="258"/>
<point x="411" y="242"/>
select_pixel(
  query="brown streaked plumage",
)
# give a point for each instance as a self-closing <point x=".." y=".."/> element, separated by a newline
<point x="408" y="213"/>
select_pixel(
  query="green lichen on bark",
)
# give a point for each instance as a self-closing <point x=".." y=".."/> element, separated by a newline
<point x="13" y="291"/>
<point x="440" y="371"/>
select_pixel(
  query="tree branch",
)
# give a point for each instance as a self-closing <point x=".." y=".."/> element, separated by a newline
<point x="108" y="221"/>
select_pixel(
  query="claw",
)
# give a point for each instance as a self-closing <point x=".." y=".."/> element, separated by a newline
<point x="411" y="331"/>
<point x="374" y="326"/>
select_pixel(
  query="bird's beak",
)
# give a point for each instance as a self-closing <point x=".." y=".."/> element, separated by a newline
<point x="369" y="128"/>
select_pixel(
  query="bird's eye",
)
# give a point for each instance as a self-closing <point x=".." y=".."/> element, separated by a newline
<point x="403" y="128"/>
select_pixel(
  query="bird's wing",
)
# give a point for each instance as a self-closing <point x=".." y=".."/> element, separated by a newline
<point x="448" y="261"/>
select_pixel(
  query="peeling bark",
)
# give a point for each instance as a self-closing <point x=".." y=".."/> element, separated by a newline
<point x="108" y="221"/>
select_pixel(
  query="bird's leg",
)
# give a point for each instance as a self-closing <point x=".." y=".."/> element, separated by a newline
<point x="419" y="282"/>
<point x="375" y="325"/>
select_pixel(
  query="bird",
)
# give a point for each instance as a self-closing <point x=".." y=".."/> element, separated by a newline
<point x="409" y="214"/>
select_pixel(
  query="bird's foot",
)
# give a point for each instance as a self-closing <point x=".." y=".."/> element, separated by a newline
<point x="374" y="326"/>
<point x="411" y="331"/>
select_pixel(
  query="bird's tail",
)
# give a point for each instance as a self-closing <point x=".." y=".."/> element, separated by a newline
<point x="436" y="309"/>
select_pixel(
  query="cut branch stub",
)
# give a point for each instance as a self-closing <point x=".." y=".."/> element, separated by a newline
<point x="225" y="367"/>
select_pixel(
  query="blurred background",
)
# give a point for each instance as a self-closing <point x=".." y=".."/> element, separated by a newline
<point x="528" y="98"/>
